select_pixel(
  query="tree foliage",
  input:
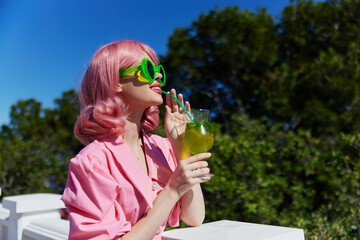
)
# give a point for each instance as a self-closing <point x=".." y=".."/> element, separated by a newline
<point x="222" y="58"/>
<point x="267" y="175"/>
<point x="302" y="70"/>
<point x="37" y="145"/>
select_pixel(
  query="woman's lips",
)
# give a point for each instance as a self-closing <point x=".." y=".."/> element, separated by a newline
<point x="156" y="87"/>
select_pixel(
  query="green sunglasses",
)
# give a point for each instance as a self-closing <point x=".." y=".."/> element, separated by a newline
<point x="148" y="69"/>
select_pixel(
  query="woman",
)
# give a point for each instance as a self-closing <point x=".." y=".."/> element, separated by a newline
<point x="126" y="184"/>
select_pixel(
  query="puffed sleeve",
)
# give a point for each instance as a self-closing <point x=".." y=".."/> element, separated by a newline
<point x="90" y="195"/>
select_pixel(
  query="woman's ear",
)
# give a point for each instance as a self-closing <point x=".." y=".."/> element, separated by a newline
<point x="119" y="90"/>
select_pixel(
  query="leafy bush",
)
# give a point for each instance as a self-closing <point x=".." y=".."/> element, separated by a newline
<point x="267" y="175"/>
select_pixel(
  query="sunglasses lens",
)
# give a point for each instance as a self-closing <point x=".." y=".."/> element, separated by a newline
<point x="151" y="70"/>
<point x="162" y="72"/>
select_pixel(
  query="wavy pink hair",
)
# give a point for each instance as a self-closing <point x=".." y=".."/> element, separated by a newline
<point x="103" y="112"/>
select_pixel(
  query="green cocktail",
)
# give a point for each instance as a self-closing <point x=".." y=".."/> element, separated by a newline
<point x="198" y="137"/>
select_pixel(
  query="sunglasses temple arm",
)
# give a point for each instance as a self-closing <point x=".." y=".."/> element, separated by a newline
<point x="192" y="120"/>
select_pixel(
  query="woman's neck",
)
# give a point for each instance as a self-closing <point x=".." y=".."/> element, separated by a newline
<point x="133" y="128"/>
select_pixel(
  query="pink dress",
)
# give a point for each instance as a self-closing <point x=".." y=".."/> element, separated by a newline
<point x="108" y="191"/>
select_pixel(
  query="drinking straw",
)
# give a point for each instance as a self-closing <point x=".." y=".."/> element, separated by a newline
<point x="179" y="104"/>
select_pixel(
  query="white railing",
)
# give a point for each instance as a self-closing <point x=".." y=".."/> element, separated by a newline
<point x="33" y="217"/>
<point x="232" y="230"/>
<point x="37" y="217"/>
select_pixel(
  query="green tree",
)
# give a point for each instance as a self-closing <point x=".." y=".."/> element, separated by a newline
<point x="37" y="146"/>
<point x="23" y="169"/>
<point x="316" y="79"/>
<point x="302" y="70"/>
<point x="222" y="58"/>
<point x="61" y="141"/>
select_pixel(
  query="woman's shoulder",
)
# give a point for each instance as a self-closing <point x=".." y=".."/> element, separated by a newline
<point x="95" y="151"/>
<point x="94" y="148"/>
<point x="102" y="149"/>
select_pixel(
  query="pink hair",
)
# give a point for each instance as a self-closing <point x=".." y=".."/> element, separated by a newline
<point x="103" y="112"/>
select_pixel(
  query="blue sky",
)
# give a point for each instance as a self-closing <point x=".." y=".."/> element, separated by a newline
<point x="45" y="45"/>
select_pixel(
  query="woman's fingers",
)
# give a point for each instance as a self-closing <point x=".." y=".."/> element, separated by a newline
<point x="181" y="100"/>
<point x="195" y="165"/>
<point x="196" y="157"/>
<point x="189" y="172"/>
<point x="187" y="106"/>
<point x="168" y="100"/>
<point x="188" y="109"/>
<point x="174" y="103"/>
<point x="200" y="171"/>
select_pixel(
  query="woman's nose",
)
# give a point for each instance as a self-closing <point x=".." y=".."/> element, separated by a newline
<point x="158" y="76"/>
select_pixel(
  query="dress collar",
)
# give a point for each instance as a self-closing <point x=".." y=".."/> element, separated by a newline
<point x="158" y="166"/>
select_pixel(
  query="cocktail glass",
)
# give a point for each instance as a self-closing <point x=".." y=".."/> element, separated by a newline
<point x="198" y="136"/>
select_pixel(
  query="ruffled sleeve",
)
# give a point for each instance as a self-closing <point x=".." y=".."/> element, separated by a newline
<point x="90" y="195"/>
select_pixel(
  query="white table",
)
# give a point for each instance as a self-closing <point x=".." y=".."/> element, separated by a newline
<point x="231" y="230"/>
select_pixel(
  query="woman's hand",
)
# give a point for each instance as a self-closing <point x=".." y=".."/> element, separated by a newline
<point x="175" y="120"/>
<point x="188" y="172"/>
<point x="181" y="182"/>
